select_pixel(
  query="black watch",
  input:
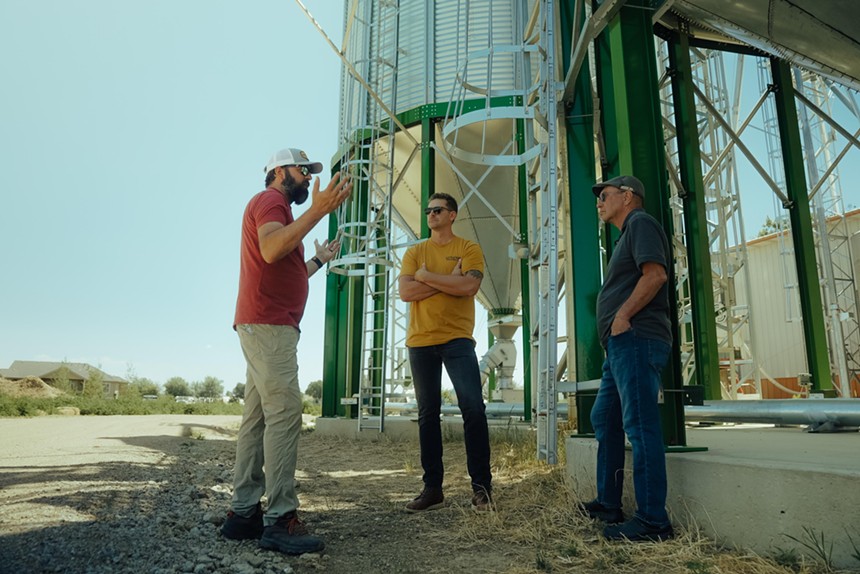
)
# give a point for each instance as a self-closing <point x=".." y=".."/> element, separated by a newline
<point x="316" y="260"/>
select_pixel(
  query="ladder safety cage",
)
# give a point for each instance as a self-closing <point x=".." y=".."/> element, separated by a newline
<point x="368" y="130"/>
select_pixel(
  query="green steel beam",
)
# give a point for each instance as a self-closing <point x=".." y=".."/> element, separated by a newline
<point x="381" y="277"/>
<point x="338" y="368"/>
<point x="666" y="34"/>
<point x="442" y="109"/>
<point x="608" y="140"/>
<point x="522" y="184"/>
<point x="584" y="254"/>
<point x="333" y="367"/>
<point x="428" y="168"/>
<point x="635" y="111"/>
<point x="695" y="219"/>
<point x="354" y="307"/>
<point x="814" y="333"/>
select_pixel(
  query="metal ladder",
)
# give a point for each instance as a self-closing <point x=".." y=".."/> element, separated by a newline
<point x="540" y="155"/>
<point x="366" y="234"/>
<point x="543" y="245"/>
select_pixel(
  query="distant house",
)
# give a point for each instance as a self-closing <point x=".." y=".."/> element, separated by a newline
<point x="73" y="373"/>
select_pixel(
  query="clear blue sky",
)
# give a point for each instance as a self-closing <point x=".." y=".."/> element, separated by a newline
<point x="132" y="134"/>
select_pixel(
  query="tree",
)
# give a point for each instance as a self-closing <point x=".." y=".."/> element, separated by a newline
<point x="314" y="390"/>
<point x="94" y="384"/>
<point x="61" y="380"/>
<point x="772" y="226"/>
<point x="211" y="388"/>
<point x="177" y="387"/>
<point x="142" y="386"/>
<point x="238" y="393"/>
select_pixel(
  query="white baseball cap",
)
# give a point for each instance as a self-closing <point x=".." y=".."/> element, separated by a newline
<point x="292" y="156"/>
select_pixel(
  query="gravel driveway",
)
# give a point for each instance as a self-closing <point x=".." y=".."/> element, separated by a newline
<point x="133" y="494"/>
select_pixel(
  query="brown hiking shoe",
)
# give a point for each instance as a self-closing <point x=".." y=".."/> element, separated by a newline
<point x="290" y="536"/>
<point x="238" y="527"/>
<point x="429" y="499"/>
<point x="482" y="501"/>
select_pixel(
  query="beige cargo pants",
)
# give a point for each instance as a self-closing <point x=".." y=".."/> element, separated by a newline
<point x="271" y="422"/>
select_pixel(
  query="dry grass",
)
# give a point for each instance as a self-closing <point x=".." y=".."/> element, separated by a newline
<point x="539" y="528"/>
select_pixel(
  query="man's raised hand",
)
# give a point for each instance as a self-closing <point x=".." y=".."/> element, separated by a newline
<point x="335" y="193"/>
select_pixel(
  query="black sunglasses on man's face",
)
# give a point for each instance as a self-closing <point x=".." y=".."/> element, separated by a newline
<point x="435" y="210"/>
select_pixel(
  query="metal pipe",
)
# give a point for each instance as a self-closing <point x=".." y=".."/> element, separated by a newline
<point x="493" y="410"/>
<point x="838" y="412"/>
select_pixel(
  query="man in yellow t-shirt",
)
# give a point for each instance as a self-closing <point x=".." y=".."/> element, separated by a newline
<point x="440" y="277"/>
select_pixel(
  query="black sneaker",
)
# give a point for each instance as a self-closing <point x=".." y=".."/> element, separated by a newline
<point x="290" y="536"/>
<point x="238" y="527"/>
<point x="635" y="530"/>
<point x="430" y="498"/>
<point x="482" y="501"/>
<point x="597" y="511"/>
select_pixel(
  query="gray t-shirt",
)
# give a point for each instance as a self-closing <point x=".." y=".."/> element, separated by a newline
<point x="642" y="241"/>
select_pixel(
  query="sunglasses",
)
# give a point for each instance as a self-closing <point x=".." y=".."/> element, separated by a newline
<point x="435" y="210"/>
<point x="623" y="189"/>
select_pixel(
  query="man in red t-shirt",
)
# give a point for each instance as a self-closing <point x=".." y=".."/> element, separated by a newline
<point x="273" y="290"/>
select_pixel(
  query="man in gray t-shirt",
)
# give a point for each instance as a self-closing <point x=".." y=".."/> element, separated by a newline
<point x="634" y="327"/>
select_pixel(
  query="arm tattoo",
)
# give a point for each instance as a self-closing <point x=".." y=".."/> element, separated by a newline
<point x="475" y="273"/>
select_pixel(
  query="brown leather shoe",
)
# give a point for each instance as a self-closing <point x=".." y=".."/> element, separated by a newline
<point x="429" y="499"/>
<point x="482" y="501"/>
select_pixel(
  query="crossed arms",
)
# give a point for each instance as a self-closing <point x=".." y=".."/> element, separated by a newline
<point x="425" y="284"/>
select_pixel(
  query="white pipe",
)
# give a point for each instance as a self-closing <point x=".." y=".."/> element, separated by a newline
<point x="837" y="412"/>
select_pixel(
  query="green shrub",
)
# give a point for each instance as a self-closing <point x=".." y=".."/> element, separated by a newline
<point x="126" y="405"/>
<point x="311" y="408"/>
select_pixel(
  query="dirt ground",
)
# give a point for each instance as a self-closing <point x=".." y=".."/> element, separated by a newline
<point x="60" y="474"/>
<point x="132" y="494"/>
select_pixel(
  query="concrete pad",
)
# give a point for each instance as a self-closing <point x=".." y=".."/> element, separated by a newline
<point x="754" y="487"/>
<point x="396" y="428"/>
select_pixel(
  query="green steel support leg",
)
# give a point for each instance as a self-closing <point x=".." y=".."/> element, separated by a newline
<point x="343" y="324"/>
<point x="695" y="219"/>
<point x="814" y="333"/>
<point x="356" y="300"/>
<point x="491" y="380"/>
<point x="380" y="331"/>
<point x="608" y="140"/>
<point x="334" y="374"/>
<point x="585" y="254"/>
<point x="524" y="278"/>
<point x="428" y="169"/>
<point x="334" y="367"/>
<point x="641" y="152"/>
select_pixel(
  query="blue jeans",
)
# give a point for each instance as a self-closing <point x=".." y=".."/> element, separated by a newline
<point x="459" y="359"/>
<point x="627" y="403"/>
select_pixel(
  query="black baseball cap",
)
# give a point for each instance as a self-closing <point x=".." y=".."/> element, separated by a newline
<point x="623" y="182"/>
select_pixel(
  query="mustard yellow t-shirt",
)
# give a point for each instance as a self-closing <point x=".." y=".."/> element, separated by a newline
<point x="441" y="317"/>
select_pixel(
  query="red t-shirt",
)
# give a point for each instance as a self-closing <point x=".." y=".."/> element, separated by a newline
<point x="270" y="293"/>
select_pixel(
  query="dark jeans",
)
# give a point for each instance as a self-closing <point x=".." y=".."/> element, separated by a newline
<point x="459" y="359"/>
<point x="627" y="403"/>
